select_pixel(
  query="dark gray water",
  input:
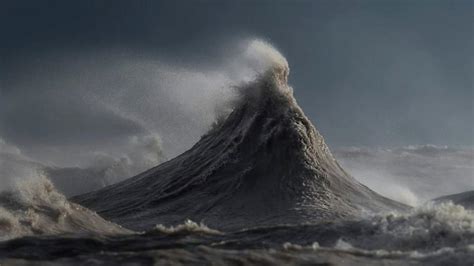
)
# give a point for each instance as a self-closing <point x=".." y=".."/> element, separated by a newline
<point x="421" y="237"/>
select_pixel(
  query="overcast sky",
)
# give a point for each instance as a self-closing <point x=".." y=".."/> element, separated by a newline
<point x="377" y="73"/>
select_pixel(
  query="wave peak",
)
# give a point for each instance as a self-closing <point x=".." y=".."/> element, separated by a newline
<point x="264" y="164"/>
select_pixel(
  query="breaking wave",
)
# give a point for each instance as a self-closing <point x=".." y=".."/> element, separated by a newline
<point x="465" y="199"/>
<point x="34" y="207"/>
<point x="428" y="228"/>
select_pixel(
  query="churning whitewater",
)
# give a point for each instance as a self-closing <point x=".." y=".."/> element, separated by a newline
<point x="260" y="187"/>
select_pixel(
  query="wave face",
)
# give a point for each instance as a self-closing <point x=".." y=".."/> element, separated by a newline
<point x="264" y="164"/>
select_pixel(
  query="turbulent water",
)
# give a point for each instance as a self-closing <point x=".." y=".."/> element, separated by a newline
<point x="261" y="187"/>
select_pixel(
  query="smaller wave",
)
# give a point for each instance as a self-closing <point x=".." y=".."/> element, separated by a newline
<point x="424" y="229"/>
<point x="429" y="222"/>
<point x="187" y="227"/>
<point x="343" y="246"/>
<point x="427" y="228"/>
<point x="35" y="207"/>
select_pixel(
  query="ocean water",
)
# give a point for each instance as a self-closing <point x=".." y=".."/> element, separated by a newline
<point x="260" y="188"/>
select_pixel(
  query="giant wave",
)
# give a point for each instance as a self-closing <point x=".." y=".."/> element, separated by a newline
<point x="264" y="164"/>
